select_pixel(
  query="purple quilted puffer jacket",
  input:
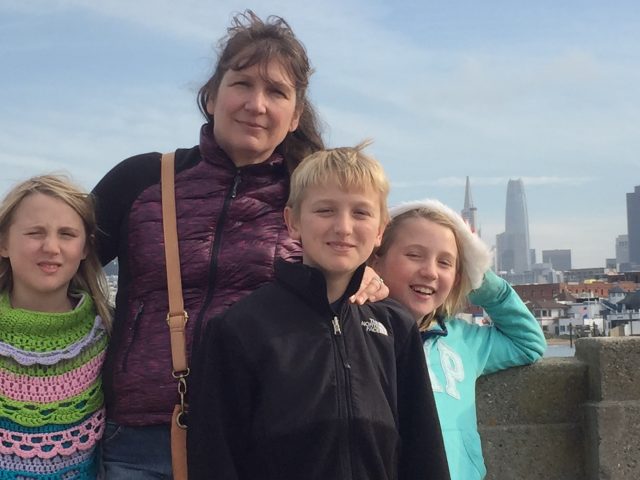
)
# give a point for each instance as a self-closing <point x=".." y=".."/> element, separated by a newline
<point x="230" y="229"/>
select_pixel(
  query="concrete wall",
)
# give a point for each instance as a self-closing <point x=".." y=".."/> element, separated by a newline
<point x="565" y="418"/>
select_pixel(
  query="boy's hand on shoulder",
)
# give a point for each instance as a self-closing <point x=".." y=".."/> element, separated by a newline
<point x="372" y="288"/>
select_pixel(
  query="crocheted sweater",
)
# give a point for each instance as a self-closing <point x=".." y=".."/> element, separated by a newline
<point x="51" y="401"/>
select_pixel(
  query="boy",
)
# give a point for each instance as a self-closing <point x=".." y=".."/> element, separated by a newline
<point x="294" y="382"/>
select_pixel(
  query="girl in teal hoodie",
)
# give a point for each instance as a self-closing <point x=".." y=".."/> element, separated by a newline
<point x="432" y="262"/>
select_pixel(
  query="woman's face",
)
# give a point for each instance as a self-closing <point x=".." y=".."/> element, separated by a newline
<point x="420" y="265"/>
<point x="253" y="111"/>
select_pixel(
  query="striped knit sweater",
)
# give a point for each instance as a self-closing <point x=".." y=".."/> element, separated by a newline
<point x="51" y="402"/>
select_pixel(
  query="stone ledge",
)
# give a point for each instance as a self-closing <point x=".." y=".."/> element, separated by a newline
<point x="613" y="441"/>
<point x="549" y="452"/>
<point x="614" y="374"/>
<point x="548" y="392"/>
<point x="565" y="419"/>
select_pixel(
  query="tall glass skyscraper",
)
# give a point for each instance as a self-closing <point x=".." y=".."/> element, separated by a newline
<point x="633" y="227"/>
<point x="512" y="246"/>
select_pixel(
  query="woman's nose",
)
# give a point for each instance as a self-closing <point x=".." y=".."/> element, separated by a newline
<point x="256" y="101"/>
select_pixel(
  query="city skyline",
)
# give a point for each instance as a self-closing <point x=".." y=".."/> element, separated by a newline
<point x="544" y="91"/>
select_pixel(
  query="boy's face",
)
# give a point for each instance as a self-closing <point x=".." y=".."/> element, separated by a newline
<point x="338" y="228"/>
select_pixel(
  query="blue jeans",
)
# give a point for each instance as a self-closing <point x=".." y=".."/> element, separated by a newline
<point x="136" y="453"/>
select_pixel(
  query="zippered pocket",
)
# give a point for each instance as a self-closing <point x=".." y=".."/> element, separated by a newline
<point x="134" y="335"/>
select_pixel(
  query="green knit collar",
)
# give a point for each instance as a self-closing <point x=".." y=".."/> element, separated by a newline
<point x="25" y="328"/>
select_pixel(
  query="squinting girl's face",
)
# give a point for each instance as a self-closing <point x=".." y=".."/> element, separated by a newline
<point x="45" y="244"/>
<point x="420" y="265"/>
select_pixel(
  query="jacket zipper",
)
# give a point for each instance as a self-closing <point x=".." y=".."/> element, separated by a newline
<point x="346" y="371"/>
<point x="215" y="251"/>
<point x="135" y="329"/>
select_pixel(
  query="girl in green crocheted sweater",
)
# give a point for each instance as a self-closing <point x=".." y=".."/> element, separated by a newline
<point x="54" y="318"/>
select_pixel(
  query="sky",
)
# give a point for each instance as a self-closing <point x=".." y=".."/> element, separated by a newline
<point x="545" y="91"/>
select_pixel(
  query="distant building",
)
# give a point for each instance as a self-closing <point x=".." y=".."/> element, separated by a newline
<point x="547" y="291"/>
<point x="633" y="226"/>
<point x="548" y="313"/>
<point x="589" y="290"/>
<point x="616" y="294"/>
<point x="585" y="274"/>
<point x="469" y="212"/>
<point x="559" y="259"/>
<point x="545" y="273"/>
<point x="512" y="246"/>
<point x="622" y="253"/>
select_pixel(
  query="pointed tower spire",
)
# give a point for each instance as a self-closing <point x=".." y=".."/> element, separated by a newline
<point x="469" y="211"/>
<point x="468" y="201"/>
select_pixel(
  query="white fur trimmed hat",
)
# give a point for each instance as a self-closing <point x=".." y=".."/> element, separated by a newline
<point x="477" y="256"/>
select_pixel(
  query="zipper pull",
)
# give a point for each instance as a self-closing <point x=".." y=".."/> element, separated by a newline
<point x="336" y="326"/>
<point x="236" y="182"/>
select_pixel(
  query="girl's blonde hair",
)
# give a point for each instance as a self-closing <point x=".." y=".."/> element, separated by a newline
<point x="90" y="276"/>
<point x="474" y="257"/>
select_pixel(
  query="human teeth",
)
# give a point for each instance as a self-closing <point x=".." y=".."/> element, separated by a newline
<point x="424" y="290"/>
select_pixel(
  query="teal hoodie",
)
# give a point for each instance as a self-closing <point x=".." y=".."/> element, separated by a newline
<point x="459" y="352"/>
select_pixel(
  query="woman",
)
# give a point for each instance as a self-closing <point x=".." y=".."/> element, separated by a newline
<point x="230" y="193"/>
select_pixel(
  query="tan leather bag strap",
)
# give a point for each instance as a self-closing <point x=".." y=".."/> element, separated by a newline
<point x="177" y="317"/>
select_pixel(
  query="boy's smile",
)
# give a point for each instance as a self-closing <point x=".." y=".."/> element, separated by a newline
<point x="338" y="229"/>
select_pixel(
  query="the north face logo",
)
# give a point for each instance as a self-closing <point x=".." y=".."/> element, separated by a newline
<point x="374" y="326"/>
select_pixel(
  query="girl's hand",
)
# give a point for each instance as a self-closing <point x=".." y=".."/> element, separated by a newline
<point x="372" y="288"/>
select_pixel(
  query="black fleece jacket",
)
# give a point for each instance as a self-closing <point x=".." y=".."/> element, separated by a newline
<point x="286" y="388"/>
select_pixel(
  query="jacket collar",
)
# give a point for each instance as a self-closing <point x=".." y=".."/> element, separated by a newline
<point x="439" y="331"/>
<point x="309" y="283"/>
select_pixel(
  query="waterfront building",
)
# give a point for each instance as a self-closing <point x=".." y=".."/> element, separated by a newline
<point x="512" y="246"/>
<point x="616" y="294"/>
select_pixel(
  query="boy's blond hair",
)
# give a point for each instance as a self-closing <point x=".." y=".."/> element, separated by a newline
<point x="90" y="276"/>
<point x="349" y="166"/>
